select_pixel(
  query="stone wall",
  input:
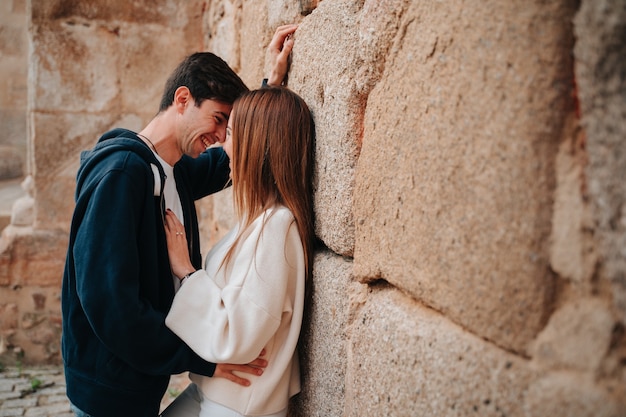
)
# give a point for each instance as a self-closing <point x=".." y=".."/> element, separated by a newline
<point x="470" y="187"/>
<point x="95" y="65"/>
<point x="13" y="67"/>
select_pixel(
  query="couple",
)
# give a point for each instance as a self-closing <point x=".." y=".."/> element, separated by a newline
<point x="124" y="331"/>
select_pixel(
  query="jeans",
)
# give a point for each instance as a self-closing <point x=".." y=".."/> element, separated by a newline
<point x="192" y="403"/>
<point x="78" y="412"/>
<point x="187" y="404"/>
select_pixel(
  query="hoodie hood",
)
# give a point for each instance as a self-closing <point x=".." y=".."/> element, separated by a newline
<point x="117" y="140"/>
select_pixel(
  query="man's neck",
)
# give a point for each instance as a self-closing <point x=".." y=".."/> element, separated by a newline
<point x="160" y="136"/>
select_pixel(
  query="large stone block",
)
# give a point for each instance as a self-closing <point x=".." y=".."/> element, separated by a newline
<point x="600" y="28"/>
<point x="563" y="393"/>
<point x="405" y="359"/>
<point x="578" y="336"/>
<point x="175" y="13"/>
<point x="13" y="68"/>
<point x="455" y="181"/>
<point x="32" y="258"/>
<point x="14" y="131"/>
<point x="323" y="338"/>
<point x="73" y="70"/>
<point x="13" y="40"/>
<point x="30" y="324"/>
<point x="93" y="66"/>
<point x="216" y="216"/>
<point x="222" y="31"/>
<point x="338" y="57"/>
<point x="11" y="164"/>
<point x="573" y="255"/>
<point x="324" y="64"/>
<point x="58" y="140"/>
<point x="97" y="68"/>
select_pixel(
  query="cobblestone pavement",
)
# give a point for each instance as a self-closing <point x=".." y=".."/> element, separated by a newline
<point x="40" y="392"/>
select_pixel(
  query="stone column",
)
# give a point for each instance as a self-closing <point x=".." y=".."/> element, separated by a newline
<point x="93" y="66"/>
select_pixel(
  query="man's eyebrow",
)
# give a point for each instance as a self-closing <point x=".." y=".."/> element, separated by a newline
<point x="224" y="115"/>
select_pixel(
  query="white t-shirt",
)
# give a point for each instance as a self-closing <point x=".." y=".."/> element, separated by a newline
<point x="172" y="199"/>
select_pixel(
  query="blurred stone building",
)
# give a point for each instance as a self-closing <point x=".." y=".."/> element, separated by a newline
<point x="13" y="81"/>
<point x="470" y="186"/>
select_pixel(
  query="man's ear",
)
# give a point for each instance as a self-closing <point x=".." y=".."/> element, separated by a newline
<point x="182" y="97"/>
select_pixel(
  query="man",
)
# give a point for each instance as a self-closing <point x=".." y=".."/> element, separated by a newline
<point x="117" y="284"/>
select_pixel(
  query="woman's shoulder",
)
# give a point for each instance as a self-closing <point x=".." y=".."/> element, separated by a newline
<point x="276" y="217"/>
<point x="279" y="214"/>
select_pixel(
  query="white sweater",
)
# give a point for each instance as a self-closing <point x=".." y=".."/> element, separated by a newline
<point x="256" y="301"/>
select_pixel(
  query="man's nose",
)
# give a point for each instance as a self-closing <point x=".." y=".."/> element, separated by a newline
<point x="220" y="134"/>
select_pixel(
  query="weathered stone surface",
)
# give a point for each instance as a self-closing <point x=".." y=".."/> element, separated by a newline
<point x="243" y="46"/>
<point x="570" y="394"/>
<point x="455" y="182"/>
<point x="217" y="217"/>
<point x="122" y="66"/>
<point x="9" y="316"/>
<point x="108" y="72"/>
<point x="223" y="28"/>
<point x="407" y="360"/>
<point x="324" y="65"/>
<point x="283" y="12"/>
<point x="577" y="336"/>
<point x="572" y="253"/>
<point x="13" y="90"/>
<point x="11" y="165"/>
<point x="29" y="331"/>
<point x="323" y="341"/>
<point x="32" y="258"/>
<point x="483" y="208"/>
<point x="172" y="13"/>
<point x="23" y="209"/>
<point x="228" y="38"/>
<point x="600" y="28"/>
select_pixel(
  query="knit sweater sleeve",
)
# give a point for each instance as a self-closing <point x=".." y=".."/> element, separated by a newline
<point x="232" y="322"/>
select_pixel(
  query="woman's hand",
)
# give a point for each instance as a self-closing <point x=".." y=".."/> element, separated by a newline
<point x="278" y="53"/>
<point x="177" y="245"/>
<point x="225" y="370"/>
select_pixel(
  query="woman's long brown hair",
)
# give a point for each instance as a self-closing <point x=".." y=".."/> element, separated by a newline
<point x="273" y="149"/>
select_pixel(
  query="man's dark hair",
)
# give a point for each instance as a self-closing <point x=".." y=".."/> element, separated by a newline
<point x="207" y="77"/>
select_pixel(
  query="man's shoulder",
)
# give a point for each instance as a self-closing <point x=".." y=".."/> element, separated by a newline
<point x="123" y="140"/>
<point x="119" y="151"/>
<point x="119" y="146"/>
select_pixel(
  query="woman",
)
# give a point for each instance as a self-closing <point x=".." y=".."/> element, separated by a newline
<point x="250" y="295"/>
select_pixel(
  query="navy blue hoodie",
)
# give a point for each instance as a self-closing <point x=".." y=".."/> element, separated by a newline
<point x="117" y="284"/>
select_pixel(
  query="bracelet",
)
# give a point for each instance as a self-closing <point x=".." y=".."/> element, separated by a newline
<point x="187" y="276"/>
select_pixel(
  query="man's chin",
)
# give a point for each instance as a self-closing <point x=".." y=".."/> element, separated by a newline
<point x="194" y="154"/>
<point x="198" y="150"/>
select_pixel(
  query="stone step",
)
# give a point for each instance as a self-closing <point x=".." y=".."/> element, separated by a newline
<point x="10" y="191"/>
